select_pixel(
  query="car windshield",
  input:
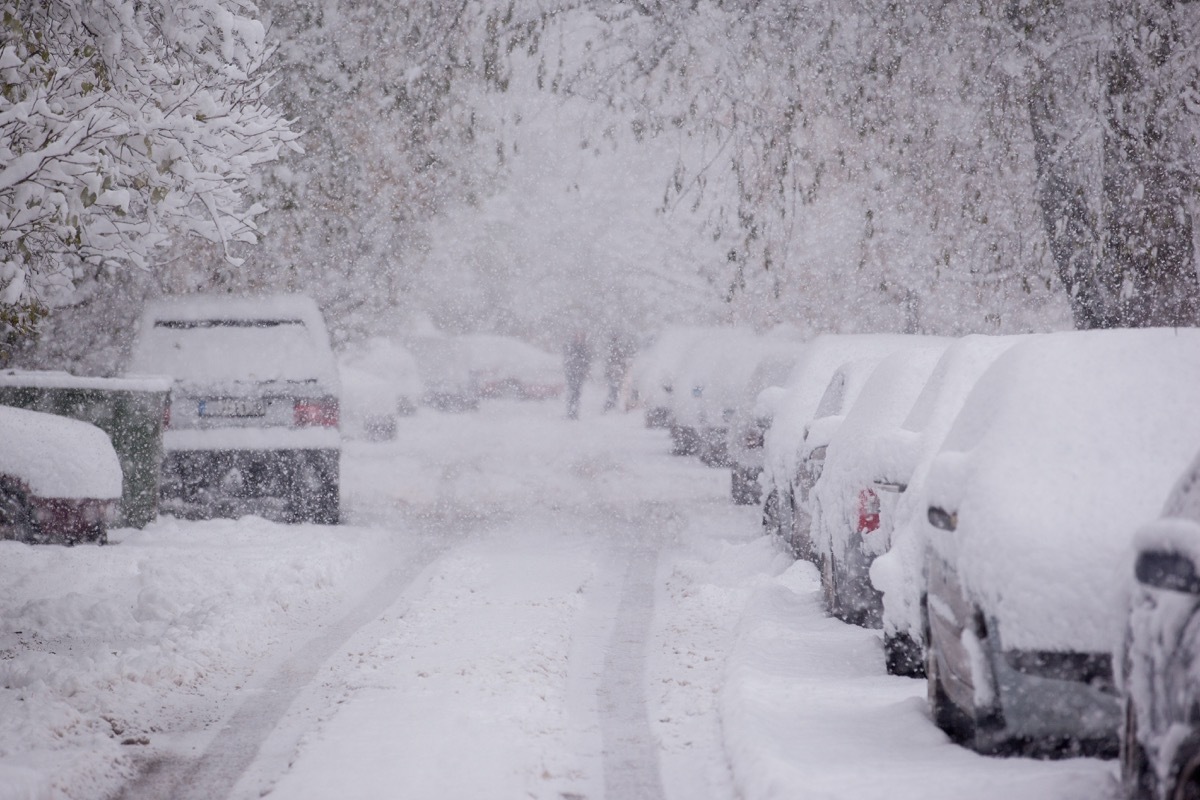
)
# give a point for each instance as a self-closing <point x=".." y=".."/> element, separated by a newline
<point x="214" y="350"/>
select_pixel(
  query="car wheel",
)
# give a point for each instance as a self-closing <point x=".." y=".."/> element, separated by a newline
<point x="16" y="517"/>
<point x="1136" y="775"/>
<point x="743" y="486"/>
<point x="315" y="494"/>
<point x="903" y="655"/>
<point x="1185" y="775"/>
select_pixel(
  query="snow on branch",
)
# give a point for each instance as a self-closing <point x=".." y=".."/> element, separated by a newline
<point x="122" y="123"/>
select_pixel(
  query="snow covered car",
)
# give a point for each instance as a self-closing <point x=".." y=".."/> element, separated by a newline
<point x="855" y="492"/>
<point x="751" y="418"/>
<point x="504" y="367"/>
<point x="445" y="366"/>
<point x="60" y="480"/>
<point x="1160" y="679"/>
<point x="1066" y="444"/>
<point x="380" y="382"/>
<point x="254" y="412"/>
<point x="713" y="375"/>
<point x="655" y="370"/>
<point x="899" y="463"/>
<point x="793" y="408"/>
<point x="840" y="395"/>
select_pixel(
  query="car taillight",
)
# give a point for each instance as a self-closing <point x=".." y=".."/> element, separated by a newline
<point x="322" y="413"/>
<point x="868" y="511"/>
<point x="167" y="415"/>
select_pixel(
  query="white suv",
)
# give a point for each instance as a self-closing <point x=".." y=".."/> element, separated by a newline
<point x="252" y="426"/>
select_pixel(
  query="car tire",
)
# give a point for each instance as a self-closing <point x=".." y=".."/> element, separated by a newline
<point x="743" y="486"/>
<point x="1185" y="772"/>
<point x="97" y="534"/>
<point x="903" y="656"/>
<point x="315" y="495"/>
<point x="16" y="517"/>
<point x="683" y="441"/>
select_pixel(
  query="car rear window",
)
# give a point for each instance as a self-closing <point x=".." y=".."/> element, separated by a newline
<point x="212" y="350"/>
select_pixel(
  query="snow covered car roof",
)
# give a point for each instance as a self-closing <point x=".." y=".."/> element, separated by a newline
<point x="881" y="406"/>
<point x="375" y="374"/>
<point x="905" y="455"/>
<point x="1067" y="443"/>
<point x="57" y="457"/>
<point x="494" y="359"/>
<point x="797" y="405"/>
<point x="659" y="363"/>
<point x="218" y="338"/>
<point x="712" y="374"/>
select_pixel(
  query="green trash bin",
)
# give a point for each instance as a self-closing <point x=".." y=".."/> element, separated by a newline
<point x="129" y="410"/>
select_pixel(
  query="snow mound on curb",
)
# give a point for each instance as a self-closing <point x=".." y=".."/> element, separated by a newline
<point x="808" y="711"/>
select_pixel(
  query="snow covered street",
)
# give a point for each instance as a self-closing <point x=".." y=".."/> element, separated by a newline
<point x="518" y="606"/>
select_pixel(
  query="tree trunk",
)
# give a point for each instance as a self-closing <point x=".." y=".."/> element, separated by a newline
<point x="1126" y="257"/>
<point x="1148" y="224"/>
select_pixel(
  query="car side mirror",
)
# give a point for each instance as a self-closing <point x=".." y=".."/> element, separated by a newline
<point x="1167" y="569"/>
<point x="942" y="519"/>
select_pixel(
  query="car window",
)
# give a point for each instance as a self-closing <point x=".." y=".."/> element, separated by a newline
<point x="835" y="395"/>
<point x="207" y="350"/>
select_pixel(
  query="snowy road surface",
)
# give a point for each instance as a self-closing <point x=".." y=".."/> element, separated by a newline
<point x="519" y="607"/>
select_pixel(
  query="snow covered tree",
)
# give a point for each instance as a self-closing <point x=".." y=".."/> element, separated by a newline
<point x="1151" y="176"/>
<point x="1113" y="102"/>
<point x="864" y="163"/>
<point x="124" y="123"/>
<point x="393" y="99"/>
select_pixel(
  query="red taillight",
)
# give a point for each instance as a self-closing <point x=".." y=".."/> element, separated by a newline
<point x="321" y="413"/>
<point x="167" y="415"/>
<point x="868" y="511"/>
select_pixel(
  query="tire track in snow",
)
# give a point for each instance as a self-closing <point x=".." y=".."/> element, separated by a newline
<point x="631" y="766"/>
<point x="235" y="745"/>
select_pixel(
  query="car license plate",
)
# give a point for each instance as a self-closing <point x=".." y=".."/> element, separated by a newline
<point x="232" y="407"/>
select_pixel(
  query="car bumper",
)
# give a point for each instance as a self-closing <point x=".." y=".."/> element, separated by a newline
<point x="251" y="439"/>
<point x="1054" y="697"/>
<point x="228" y="483"/>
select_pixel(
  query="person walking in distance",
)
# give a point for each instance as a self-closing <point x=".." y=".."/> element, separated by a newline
<point x="577" y="362"/>
<point x="616" y="364"/>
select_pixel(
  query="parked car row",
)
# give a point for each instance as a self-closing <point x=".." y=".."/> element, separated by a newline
<point x="248" y="409"/>
<point x="979" y="500"/>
